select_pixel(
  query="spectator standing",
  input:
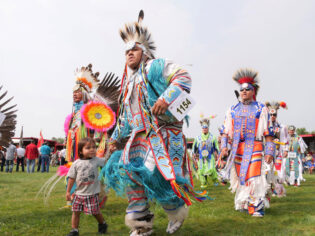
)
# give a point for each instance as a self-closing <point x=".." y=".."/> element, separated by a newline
<point x="9" y="157"/>
<point x="31" y="153"/>
<point x="20" y="158"/>
<point x="62" y="156"/>
<point x="44" y="155"/>
<point x="2" y="157"/>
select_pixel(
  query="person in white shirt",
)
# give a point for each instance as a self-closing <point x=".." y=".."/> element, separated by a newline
<point x="62" y="156"/>
<point x="20" y="158"/>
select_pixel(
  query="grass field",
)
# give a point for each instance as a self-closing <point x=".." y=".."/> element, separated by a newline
<point x="22" y="214"/>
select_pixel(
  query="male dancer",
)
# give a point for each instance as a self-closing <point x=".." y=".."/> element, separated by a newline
<point x="247" y="124"/>
<point x="153" y="164"/>
<point x="296" y="149"/>
<point x="281" y="138"/>
<point x="205" y="146"/>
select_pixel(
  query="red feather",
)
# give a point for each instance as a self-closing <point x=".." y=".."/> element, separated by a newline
<point x="283" y="105"/>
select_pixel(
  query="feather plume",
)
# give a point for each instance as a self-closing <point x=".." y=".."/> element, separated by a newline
<point x="141" y="16"/>
<point x="135" y="32"/>
<point x="85" y="78"/>
<point x="274" y="106"/>
<point x="206" y="120"/>
<point x="108" y="92"/>
<point x="247" y="76"/>
<point x="283" y="105"/>
<point x="237" y="94"/>
<point x="7" y="127"/>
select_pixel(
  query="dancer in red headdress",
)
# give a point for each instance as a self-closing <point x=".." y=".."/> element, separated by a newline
<point x="247" y="124"/>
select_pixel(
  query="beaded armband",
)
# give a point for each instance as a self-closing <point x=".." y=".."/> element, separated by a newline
<point x="224" y="141"/>
<point x="270" y="148"/>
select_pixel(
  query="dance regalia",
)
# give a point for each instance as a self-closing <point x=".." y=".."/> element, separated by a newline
<point x="91" y="117"/>
<point x="205" y="145"/>
<point x="7" y="120"/>
<point x="296" y="149"/>
<point x="155" y="156"/>
<point x="281" y="136"/>
<point x="276" y="175"/>
<point x="76" y="131"/>
<point x="154" y="163"/>
<point x="247" y="125"/>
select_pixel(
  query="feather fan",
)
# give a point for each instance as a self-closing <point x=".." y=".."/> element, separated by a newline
<point x="7" y="126"/>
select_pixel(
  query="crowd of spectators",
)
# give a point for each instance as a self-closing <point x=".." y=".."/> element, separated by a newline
<point x="28" y="156"/>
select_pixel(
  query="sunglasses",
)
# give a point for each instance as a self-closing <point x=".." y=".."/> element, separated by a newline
<point x="247" y="89"/>
<point x="275" y="115"/>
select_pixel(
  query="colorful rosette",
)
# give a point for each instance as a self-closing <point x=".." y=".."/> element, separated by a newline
<point x="98" y="116"/>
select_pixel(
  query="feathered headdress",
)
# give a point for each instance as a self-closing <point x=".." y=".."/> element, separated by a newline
<point x="135" y="33"/>
<point x="292" y="127"/>
<point x="247" y="76"/>
<point x="274" y="106"/>
<point x="221" y="129"/>
<point x="86" y="79"/>
<point x="7" y="120"/>
<point x="205" y="121"/>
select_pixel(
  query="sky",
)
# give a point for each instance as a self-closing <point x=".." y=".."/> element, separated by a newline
<point x="42" y="43"/>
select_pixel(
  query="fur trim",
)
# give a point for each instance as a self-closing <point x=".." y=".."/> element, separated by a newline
<point x="179" y="215"/>
<point x="134" y="224"/>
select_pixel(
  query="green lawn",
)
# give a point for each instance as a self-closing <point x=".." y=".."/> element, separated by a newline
<point x="22" y="214"/>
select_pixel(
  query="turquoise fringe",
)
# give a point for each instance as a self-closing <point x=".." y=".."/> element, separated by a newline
<point x="155" y="186"/>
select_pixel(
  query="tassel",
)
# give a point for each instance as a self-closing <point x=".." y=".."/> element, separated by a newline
<point x="68" y="146"/>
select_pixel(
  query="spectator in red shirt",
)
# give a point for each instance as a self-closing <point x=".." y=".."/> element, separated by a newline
<point x="31" y="153"/>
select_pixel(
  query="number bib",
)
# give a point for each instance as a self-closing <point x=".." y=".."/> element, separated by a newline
<point x="292" y="155"/>
<point x="181" y="106"/>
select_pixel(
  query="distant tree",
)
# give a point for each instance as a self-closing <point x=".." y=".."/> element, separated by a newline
<point x="300" y="131"/>
<point x="58" y="140"/>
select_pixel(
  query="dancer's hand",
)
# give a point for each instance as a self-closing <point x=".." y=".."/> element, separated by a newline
<point x="268" y="159"/>
<point x="68" y="196"/>
<point x="159" y="108"/>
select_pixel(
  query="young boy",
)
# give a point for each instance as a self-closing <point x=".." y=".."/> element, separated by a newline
<point x="84" y="172"/>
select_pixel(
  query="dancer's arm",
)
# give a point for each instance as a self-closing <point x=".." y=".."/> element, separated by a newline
<point x="69" y="187"/>
<point x="178" y="80"/>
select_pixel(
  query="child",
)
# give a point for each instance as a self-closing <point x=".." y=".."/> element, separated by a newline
<point x="84" y="172"/>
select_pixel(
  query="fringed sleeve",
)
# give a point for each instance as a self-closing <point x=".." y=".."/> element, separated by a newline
<point x="122" y="129"/>
<point x="302" y="144"/>
<point x="263" y="128"/>
<point x="177" y="79"/>
<point x="228" y="123"/>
